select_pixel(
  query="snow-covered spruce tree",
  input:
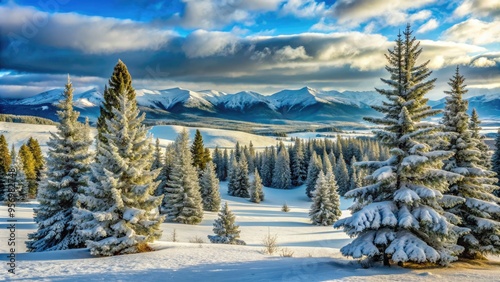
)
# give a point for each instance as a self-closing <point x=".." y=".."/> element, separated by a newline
<point x="268" y="161"/>
<point x="327" y="165"/>
<point x="256" y="192"/>
<point x="120" y="81"/>
<point x="242" y="181"/>
<point x="157" y="156"/>
<point x="315" y="167"/>
<point x="226" y="231"/>
<point x="399" y="216"/>
<point x="495" y="161"/>
<point x="17" y="180"/>
<point x="68" y="163"/>
<point x="119" y="213"/>
<point x="298" y="172"/>
<point x="5" y="162"/>
<point x="342" y="175"/>
<point x="325" y="209"/>
<point x="475" y="127"/>
<point x="480" y="213"/>
<point x="182" y="202"/>
<point x="209" y="185"/>
<point x="281" y="173"/>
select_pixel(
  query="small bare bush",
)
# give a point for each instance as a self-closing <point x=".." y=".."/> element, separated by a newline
<point x="286" y="252"/>
<point x="174" y="235"/>
<point x="270" y="243"/>
<point x="196" y="239"/>
<point x="285" y="208"/>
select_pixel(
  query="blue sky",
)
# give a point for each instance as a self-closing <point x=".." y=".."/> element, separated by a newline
<point x="234" y="45"/>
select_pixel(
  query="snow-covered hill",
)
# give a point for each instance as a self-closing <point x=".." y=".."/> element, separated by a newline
<point x="315" y="251"/>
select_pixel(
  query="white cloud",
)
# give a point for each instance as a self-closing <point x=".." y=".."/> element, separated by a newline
<point x="474" y="31"/>
<point x="90" y="34"/>
<point x="210" y="14"/>
<point x="393" y="12"/>
<point x="202" y="43"/>
<point x="444" y="53"/>
<point x="478" y="8"/>
<point x="303" y="8"/>
<point x="432" y="24"/>
<point x="483" y="62"/>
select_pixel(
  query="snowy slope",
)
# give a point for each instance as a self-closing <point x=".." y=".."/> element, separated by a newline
<point x="316" y="255"/>
<point x="212" y="137"/>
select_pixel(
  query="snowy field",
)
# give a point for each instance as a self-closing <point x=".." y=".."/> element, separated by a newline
<point x="316" y="255"/>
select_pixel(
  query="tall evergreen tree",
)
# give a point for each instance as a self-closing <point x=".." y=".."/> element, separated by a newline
<point x="239" y="182"/>
<point x="119" y="213"/>
<point x="120" y="82"/>
<point x="495" y="161"/>
<point x="5" y="163"/>
<point x="29" y="169"/>
<point x="209" y="185"/>
<point x="182" y="201"/>
<point x="200" y="156"/>
<point x="16" y="188"/>
<point x="281" y="173"/>
<point x="227" y="232"/>
<point x="38" y="156"/>
<point x="298" y="171"/>
<point x="157" y="156"/>
<point x="475" y="127"/>
<point x="325" y="209"/>
<point x="68" y="164"/>
<point x="342" y="175"/>
<point x="480" y="213"/>
<point x="256" y="192"/>
<point x="399" y="216"/>
<point x="315" y="167"/>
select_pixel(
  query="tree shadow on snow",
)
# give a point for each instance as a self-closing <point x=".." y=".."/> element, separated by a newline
<point x="271" y="269"/>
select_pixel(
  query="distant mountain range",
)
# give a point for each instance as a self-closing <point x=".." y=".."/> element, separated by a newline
<point x="305" y="104"/>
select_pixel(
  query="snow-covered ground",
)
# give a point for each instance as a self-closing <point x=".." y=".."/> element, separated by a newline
<point x="316" y="255"/>
<point x="212" y="137"/>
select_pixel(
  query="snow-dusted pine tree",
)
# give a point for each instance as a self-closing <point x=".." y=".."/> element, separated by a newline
<point x="5" y="163"/>
<point x="68" y="163"/>
<point x="281" y="173"/>
<point x="209" y="185"/>
<point x="342" y="175"/>
<point x="227" y="232"/>
<point x="325" y="209"/>
<point x="475" y="127"/>
<point x="119" y="213"/>
<point x="157" y="156"/>
<point x="327" y="165"/>
<point x="399" y="216"/>
<point x="256" y="192"/>
<point x="315" y="167"/>
<point x="495" y="161"/>
<point x="16" y="184"/>
<point x="480" y="212"/>
<point x="298" y="172"/>
<point x="120" y="81"/>
<point x="182" y="202"/>
<point x="242" y="181"/>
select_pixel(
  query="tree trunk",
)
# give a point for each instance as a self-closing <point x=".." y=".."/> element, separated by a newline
<point x="386" y="260"/>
